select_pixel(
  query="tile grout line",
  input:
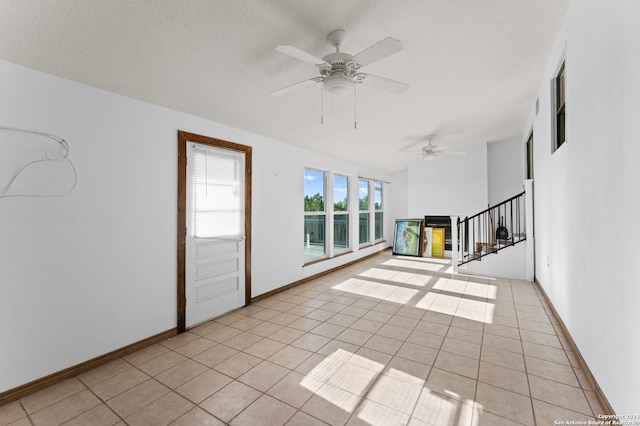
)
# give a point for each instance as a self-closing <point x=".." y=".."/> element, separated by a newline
<point x="360" y="346"/>
<point x="27" y="414"/>
<point x="524" y="362"/>
<point x="150" y="377"/>
<point x="435" y="358"/>
<point x="475" y="392"/>
<point x="103" y="402"/>
<point x="264" y="393"/>
<point x="524" y="358"/>
<point x="582" y="390"/>
<point x="172" y="390"/>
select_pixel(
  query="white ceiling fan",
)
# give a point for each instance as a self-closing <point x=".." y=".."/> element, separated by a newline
<point x="431" y="152"/>
<point x="340" y="71"/>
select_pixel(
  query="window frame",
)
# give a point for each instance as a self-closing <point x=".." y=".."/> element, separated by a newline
<point x="559" y="106"/>
<point x="371" y="212"/>
<point x="361" y="212"/>
<point x="333" y="249"/>
<point x="307" y="239"/>
<point x="375" y="206"/>
<point x="380" y="210"/>
<point x="529" y="161"/>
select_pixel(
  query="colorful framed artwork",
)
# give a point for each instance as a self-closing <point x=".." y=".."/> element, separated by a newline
<point x="437" y="242"/>
<point x="407" y="239"/>
<point x="426" y="245"/>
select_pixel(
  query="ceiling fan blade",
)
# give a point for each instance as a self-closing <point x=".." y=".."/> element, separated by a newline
<point x="380" y="50"/>
<point x="295" y="86"/>
<point x="454" y="152"/>
<point x="383" y="83"/>
<point x="300" y="54"/>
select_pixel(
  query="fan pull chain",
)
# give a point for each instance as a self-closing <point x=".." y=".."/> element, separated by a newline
<point x="355" y="110"/>
<point x="322" y="102"/>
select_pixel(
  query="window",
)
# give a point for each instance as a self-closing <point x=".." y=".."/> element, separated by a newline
<point x="217" y="192"/>
<point x="377" y="187"/>
<point x="530" y="156"/>
<point x="330" y="216"/>
<point x="370" y="208"/>
<point x="340" y="213"/>
<point x="364" y="215"/>
<point x="560" y="108"/>
<point x="315" y="215"/>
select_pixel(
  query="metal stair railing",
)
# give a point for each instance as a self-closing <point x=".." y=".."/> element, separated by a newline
<point x="492" y="230"/>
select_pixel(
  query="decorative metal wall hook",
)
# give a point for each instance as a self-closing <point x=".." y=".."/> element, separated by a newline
<point x="48" y="156"/>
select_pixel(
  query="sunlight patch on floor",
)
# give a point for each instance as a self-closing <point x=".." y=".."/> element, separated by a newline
<point x="423" y="265"/>
<point x="437" y="409"/>
<point x="458" y="306"/>
<point x="380" y="291"/>
<point x="379" y="397"/>
<point x="383" y="274"/>
<point x="355" y="286"/>
<point x="481" y="290"/>
<point x="339" y="397"/>
<point x="391" y="276"/>
<point x="349" y="284"/>
<point x="375" y="414"/>
<point x="480" y="316"/>
<point x="402" y="295"/>
<point x="467" y="288"/>
<point x="419" y="280"/>
<point x="450" y="284"/>
<point x="342" y="378"/>
<point x="439" y="302"/>
<point x="396" y="392"/>
<point x="463" y="306"/>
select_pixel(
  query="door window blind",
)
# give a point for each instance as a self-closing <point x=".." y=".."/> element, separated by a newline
<point x="217" y="192"/>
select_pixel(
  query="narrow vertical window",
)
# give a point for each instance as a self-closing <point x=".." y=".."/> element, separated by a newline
<point x="377" y="187"/>
<point x="340" y="213"/>
<point x="530" y="156"/>
<point x="363" y="215"/>
<point x="315" y="214"/>
<point x="560" y="108"/>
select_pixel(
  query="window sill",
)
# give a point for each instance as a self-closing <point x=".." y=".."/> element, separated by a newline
<point x="324" y="259"/>
<point x="342" y="253"/>
<point x="373" y="244"/>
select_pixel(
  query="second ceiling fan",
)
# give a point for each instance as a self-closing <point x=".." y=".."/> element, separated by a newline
<point x="431" y="152"/>
<point x="340" y="71"/>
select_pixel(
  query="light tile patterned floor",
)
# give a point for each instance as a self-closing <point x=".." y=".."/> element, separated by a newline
<point x="388" y="341"/>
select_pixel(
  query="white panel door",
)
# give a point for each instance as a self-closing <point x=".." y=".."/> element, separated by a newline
<point x="215" y="240"/>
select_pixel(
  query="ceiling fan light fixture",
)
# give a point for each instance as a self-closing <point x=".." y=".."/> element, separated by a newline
<point x="338" y="85"/>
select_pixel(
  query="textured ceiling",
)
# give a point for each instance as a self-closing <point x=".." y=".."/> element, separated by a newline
<point x="474" y="67"/>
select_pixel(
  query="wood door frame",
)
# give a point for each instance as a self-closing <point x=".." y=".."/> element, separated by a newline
<point x="183" y="138"/>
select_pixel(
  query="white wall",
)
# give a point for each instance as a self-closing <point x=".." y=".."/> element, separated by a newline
<point x="398" y="206"/>
<point x="509" y="262"/>
<point x="449" y="185"/>
<point x="94" y="271"/>
<point x="505" y="169"/>
<point x="586" y="193"/>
